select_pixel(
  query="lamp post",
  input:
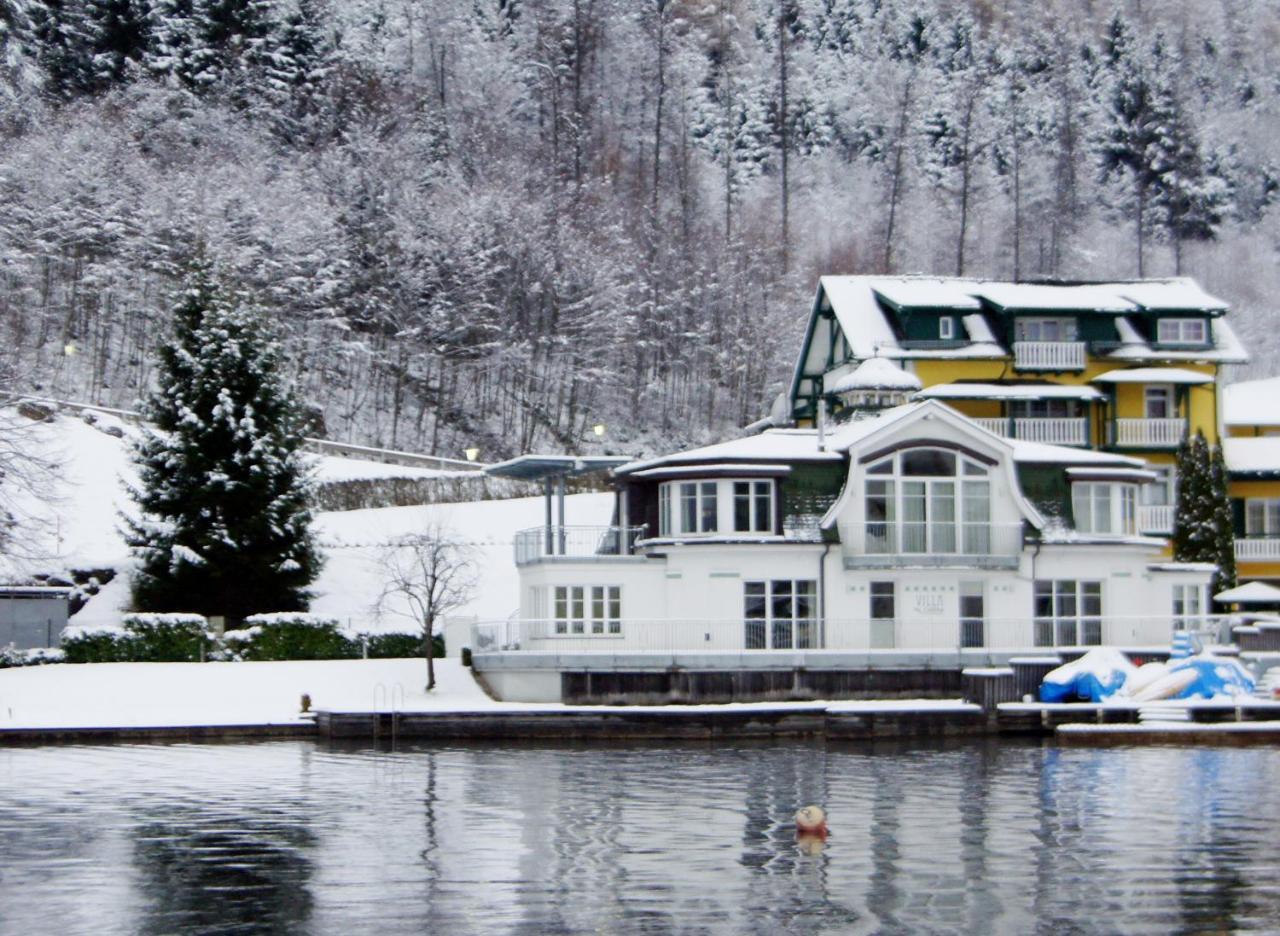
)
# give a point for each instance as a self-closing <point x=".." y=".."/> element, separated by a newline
<point x="598" y="429"/>
<point x="472" y="453"/>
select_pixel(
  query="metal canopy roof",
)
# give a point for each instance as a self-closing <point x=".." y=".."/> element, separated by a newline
<point x="542" y="467"/>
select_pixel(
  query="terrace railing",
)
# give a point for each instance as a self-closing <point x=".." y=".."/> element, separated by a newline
<point x="933" y="543"/>
<point x="1065" y="430"/>
<point x="758" y="637"/>
<point x="1155" y="518"/>
<point x="1258" y="548"/>
<point x="538" y="544"/>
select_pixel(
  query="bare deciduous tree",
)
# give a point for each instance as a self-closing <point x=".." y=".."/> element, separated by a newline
<point x="25" y="474"/>
<point x="427" y="575"/>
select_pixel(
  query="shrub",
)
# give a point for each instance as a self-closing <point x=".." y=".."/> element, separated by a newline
<point x="399" y="645"/>
<point x="95" y="644"/>
<point x="167" y="638"/>
<point x="291" y="636"/>
<point x="38" y="656"/>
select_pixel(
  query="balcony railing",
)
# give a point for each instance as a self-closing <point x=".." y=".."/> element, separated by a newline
<point x="754" y="638"/>
<point x="1155" y="518"/>
<point x="538" y="544"/>
<point x="1054" y="430"/>
<point x="936" y="543"/>
<point x="1148" y="433"/>
<point x="1049" y="355"/>
<point x="1258" y="549"/>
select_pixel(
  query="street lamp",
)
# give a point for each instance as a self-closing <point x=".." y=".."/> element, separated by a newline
<point x="69" y="349"/>
<point x="472" y="453"/>
<point x="598" y="429"/>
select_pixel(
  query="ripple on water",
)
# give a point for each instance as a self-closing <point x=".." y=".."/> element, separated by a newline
<point x="291" y="837"/>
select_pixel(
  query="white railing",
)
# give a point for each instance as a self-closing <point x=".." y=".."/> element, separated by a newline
<point x="933" y="543"/>
<point x="1149" y="433"/>
<point x="575" y="542"/>
<point x="1065" y="430"/>
<point x="1049" y="355"/>
<point x="1256" y="548"/>
<point x="754" y="638"/>
<point x="1155" y="518"/>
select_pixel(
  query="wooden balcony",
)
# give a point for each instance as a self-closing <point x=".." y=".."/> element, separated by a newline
<point x="1148" y="433"/>
<point x="1049" y="355"/>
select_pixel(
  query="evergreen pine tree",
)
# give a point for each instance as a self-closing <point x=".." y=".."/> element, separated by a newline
<point x="1223" y="522"/>
<point x="174" y="38"/>
<point x="118" y="34"/>
<point x="62" y="46"/>
<point x="224" y="521"/>
<point x="1202" y="523"/>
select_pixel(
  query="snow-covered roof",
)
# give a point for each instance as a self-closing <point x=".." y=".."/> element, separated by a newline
<point x="928" y="293"/>
<point x="1169" y="375"/>
<point x="772" y="445"/>
<point x="1254" y="455"/>
<point x="1252" y="403"/>
<point x="859" y="302"/>
<point x="1042" y="453"/>
<point x="1181" y="294"/>
<point x="1251" y="593"/>
<point x="758" y="468"/>
<point x="987" y="391"/>
<point x="1038" y="297"/>
<point x="877" y="374"/>
<point x="1118" y="474"/>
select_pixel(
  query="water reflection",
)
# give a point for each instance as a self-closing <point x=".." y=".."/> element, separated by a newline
<point x="290" y="837"/>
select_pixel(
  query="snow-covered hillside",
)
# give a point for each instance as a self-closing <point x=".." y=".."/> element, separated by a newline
<point x="74" y="523"/>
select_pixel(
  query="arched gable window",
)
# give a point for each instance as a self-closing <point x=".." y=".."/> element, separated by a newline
<point x="928" y="500"/>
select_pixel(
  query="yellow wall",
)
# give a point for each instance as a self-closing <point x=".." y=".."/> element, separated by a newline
<point x="977" y="409"/>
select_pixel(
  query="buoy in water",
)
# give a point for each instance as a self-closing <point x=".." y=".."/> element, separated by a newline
<point x="811" y="821"/>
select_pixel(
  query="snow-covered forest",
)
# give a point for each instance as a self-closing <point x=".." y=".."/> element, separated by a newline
<point x="500" y="222"/>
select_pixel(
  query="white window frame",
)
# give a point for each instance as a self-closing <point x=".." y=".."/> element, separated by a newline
<point x="1162" y="393"/>
<point x="586" y="610"/>
<point x="1262" y="516"/>
<point x="773" y="631"/>
<point x="1182" y="331"/>
<point x="1162" y="492"/>
<point x="674" y="495"/>
<point x="759" y="497"/>
<point x="1066" y="616"/>
<point x="1188" y="607"/>
<point x="1105" y="508"/>
<point x="947" y="327"/>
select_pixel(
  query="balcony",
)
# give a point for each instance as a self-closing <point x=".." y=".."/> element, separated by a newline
<point x="1148" y="433"/>
<point x="1049" y="355"/>
<point x="1055" y="431"/>
<point x="1258" y="549"/>
<point x="543" y="544"/>
<point x="935" y="545"/>
<point x="1155" y="518"/>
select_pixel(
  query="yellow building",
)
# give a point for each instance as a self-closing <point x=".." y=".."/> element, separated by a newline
<point x="1127" y="367"/>
<point x="1251" y="424"/>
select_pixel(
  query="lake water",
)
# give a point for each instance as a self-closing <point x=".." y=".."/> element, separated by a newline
<point x="975" y="837"/>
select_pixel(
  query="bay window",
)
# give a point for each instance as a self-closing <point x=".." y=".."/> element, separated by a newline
<point x="928" y="500"/>
<point x="1104" y="508"/>
<point x="703" y="508"/>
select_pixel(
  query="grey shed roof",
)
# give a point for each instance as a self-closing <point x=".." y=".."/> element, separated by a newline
<point x="542" y="467"/>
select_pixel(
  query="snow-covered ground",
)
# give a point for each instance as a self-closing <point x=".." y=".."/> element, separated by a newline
<point x="159" y="695"/>
<point x="75" y="523"/>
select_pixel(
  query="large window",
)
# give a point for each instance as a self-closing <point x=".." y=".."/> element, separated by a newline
<point x="928" y="500"/>
<point x="1103" y="507"/>
<point x="1262" y="516"/>
<point x="1044" y="329"/>
<point x="780" y="614"/>
<point x="702" y="508"/>
<point x="1067" y="613"/>
<point x="1191" y="331"/>
<point x="594" y="610"/>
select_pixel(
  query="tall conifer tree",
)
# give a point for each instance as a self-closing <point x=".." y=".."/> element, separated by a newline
<point x="224" y="524"/>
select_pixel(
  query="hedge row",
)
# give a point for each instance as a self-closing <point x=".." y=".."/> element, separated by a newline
<point x="11" y="657"/>
<point x="178" y="638"/>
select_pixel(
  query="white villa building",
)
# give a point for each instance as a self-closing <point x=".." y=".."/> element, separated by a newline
<point x="897" y="526"/>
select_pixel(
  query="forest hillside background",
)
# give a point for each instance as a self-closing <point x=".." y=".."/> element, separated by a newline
<point x="499" y="223"/>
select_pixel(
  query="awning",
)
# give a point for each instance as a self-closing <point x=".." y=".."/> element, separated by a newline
<point x="985" y="391"/>
<point x="1169" y="375"/>
<point x="1252" y="593"/>
<point x="543" y="467"/>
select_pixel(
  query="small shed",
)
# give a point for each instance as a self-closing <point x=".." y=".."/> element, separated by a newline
<point x="32" y="615"/>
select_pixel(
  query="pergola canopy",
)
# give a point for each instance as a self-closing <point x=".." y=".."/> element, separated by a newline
<point x="548" y="467"/>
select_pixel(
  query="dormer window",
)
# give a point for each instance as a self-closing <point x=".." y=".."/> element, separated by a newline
<point x="946" y="328"/>
<point x="1180" y="331"/>
<point x="1044" y="329"/>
